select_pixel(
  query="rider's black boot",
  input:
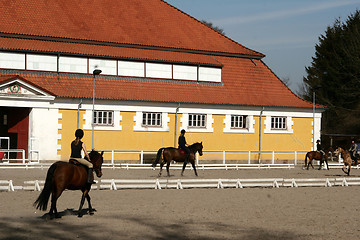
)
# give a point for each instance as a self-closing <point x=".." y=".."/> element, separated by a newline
<point x="90" y="176"/>
<point x="187" y="158"/>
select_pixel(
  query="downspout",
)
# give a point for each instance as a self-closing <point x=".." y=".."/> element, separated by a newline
<point x="260" y="129"/>
<point x="176" y="112"/>
<point x="78" y="113"/>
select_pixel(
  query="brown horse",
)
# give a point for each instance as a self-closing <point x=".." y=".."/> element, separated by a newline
<point x="177" y="155"/>
<point x="348" y="162"/>
<point x="66" y="175"/>
<point x="317" y="156"/>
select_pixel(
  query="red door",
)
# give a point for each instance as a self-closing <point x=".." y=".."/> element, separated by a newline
<point x="18" y="121"/>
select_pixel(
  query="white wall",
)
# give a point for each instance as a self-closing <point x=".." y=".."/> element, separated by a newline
<point x="44" y="128"/>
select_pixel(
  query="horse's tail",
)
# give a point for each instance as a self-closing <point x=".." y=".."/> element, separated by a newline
<point x="42" y="201"/>
<point x="306" y="157"/>
<point x="158" y="156"/>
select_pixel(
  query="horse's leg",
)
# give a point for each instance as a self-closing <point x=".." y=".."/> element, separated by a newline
<point x="321" y="162"/>
<point x="327" y="164"/>
<point x="193" y="165"/>
<point x="54" y="197"/>
<point x="348" y="173"/>
<point x="167" y="168"/>
<point x="91" y="210"/>
<point x="161" y="166"/>
<point x="183" y="168"/>
<point x="310" y="161"/>
<point x="85" y="192"/>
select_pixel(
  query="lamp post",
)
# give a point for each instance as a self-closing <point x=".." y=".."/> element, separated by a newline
<point x="95" y="72"/>
<point x="314" y="91"/>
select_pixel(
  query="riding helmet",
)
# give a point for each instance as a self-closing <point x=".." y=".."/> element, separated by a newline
<point x="79" y="133"/>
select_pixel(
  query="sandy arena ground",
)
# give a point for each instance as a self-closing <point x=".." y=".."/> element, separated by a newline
<point x="248" y="213"/>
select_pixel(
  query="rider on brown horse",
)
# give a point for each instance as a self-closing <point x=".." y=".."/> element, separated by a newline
<point x="319" y="149"/>
<point x="353" y="151"/>
<point x="76" y="146"/>
<point x="182" y="145"/>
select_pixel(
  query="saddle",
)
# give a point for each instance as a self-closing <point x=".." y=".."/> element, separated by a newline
<point x="76" y="163"/>
<point x="181" y="151"/>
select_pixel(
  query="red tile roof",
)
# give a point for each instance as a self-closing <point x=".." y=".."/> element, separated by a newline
<point x="137" y="29"/>
<point x="104" y="51"/>
<point x="132" y="22"/>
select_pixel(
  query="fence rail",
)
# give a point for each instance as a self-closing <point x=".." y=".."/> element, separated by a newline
<point x="118" y="184"/>
<point x="249" y="156"/>
<point x="247" y="160"/>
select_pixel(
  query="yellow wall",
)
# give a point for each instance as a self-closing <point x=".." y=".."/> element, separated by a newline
<point x="128" y="139"/>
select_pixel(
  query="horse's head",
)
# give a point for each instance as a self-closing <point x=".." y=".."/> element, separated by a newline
<point x="198" y="147"/>
<point x="338" y="151"/>
<point x="97" y="160"/>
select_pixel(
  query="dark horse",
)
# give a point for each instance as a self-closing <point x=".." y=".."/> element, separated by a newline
<point x="317" y="156"/>
<point x="177" y="155"/>
<point x="66" y="175"/>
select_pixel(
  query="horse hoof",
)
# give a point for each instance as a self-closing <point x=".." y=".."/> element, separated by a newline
<point x="80" y="216"/>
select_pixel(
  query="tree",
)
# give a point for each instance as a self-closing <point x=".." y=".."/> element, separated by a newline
<point x="211" y="25"/>
<point x="336" y="67"/>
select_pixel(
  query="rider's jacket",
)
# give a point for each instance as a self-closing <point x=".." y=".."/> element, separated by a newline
<point x="353" y="147"/>
<point x="76" y="149"/>
<point x="182" y="142"/>
<point x="318" y="147"/>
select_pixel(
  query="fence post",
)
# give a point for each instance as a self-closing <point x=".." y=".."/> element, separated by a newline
<point x="224" y="157"/>
<point x="142" y="157"/>
<point x="273" y="157"/>
<point x="197" y="158"/>
<point x="295" y="160"/>
<point x="112" y="158"/>
<point x="249" y="156"/>
<point x="23" y="156"/>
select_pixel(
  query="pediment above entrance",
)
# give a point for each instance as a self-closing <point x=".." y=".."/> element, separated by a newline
<point x="15" y="86"/>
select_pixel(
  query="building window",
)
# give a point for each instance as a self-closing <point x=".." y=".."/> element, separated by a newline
<point x="197" y="120"/>
<point x="278" y="123"/>
<point x="238" y="121"/>
<point x="104" y="118"/>
<point x="151" y="119"/>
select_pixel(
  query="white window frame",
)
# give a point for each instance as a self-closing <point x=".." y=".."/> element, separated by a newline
<point x="209" y="121"/>
<point x="117" y="118"/>
<point x="197" y="120"/>
<point x="104" y="118"/>
<point x="152" y="119"/>
<point x="238" y="121"/>
<point x="249" y="128"/>
<point x="278" y="123"/>
<point x="288" y="124"/>
<point x="138" y="119"/>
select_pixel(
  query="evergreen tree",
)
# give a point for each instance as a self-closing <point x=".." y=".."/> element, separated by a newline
<point x="336" y="67"/>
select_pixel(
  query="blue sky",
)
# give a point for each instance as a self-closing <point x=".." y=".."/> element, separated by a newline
<point x="286" y="31"/>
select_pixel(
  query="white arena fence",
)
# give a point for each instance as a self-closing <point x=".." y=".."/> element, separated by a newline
<point x="118" y="160"/>
<point x="120" y="184"/>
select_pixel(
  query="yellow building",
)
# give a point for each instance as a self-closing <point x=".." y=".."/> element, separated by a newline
<point x="160" y="73"/>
